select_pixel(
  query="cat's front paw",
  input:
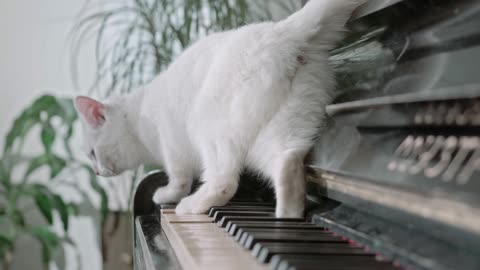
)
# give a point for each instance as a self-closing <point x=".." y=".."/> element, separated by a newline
<point x="160" y="196"/>
<point x="184" y="207"/>
<point x="168" y="194"/>
<point x="189" y="205"/>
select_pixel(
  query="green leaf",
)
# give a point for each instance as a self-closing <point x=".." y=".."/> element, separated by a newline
<point x="48" y="136"/>
<point x="4" y="240"/>
<point x="4" y="174"/>
<point x="28" y="119"/>
<point x="62" y="210"/>
<point x="20" y="128"/>
<point x="18" y="219"/>
<point x="46" y="235"/>
<point x="57" y="164"/>
<point x="70" y="113"/>
<point x="41" y="110"/>
<point x="35" y="164"/>
<point x="73" y="209"/>
<point x="48" y="240"/>
<point x="44" y="103"/>
<point x="3" y="214"/>
<point x="70" y="117"/>
<point x="5" y="244"/>
<point x="42" y="200"/>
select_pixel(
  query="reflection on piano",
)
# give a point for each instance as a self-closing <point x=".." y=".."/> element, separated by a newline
<point x="392" y="182"/>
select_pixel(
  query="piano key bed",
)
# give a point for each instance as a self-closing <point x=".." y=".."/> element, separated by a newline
<point x="240" y="236"/>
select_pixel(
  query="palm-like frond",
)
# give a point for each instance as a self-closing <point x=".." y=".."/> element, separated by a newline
<point x="135" y="40"/>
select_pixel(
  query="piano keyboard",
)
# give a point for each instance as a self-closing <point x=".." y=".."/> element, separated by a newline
<point x="248" y="236"/>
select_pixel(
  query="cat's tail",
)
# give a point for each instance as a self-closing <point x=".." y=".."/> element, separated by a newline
<point x="324" y="19"/>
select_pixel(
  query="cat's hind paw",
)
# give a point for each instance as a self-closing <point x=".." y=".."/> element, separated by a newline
<point x="286" y="212"/>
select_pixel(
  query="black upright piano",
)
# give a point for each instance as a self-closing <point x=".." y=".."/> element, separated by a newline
<point x="395" y="176"/>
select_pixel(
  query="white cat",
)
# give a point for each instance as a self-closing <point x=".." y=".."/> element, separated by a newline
<point x="251" y="98"/>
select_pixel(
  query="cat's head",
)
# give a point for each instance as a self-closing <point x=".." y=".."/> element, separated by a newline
<point x="108" y="140"/>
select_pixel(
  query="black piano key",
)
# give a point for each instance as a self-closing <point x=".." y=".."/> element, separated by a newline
<point x="236" y="227"/>
<point x="241" y="231"/>
<point x="224" y="221"/>
<point x="257" y="250"/>
<point x="220" y="214"/>
<point x="328" y="262"/>
<point x="264" y="251"/>
<point x="233" y="229"/>
<point x="310" y="229"/>
<point x="239" y="234"/>
<point x="249" y="239"/>
<point x="214" y="209"/>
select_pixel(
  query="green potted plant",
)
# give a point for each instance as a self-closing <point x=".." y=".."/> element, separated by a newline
<point x="25" y="187"/>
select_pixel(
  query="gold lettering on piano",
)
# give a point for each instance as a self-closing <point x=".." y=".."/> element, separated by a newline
<point x="449" y="148"/>
<point x="467" y="146"/>
<point x="403" y="150"/>
<point x="452" y="159"/>
<point x="472" y="165"/>
<point x="416" y="151"/>
<point x="431" y="150"/>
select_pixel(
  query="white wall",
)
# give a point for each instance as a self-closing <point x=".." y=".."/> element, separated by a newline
<point x="34" y="55"/>
<point x="34" y="60"/>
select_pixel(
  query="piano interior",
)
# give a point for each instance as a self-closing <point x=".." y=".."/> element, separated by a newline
<point x="393" y="180"/>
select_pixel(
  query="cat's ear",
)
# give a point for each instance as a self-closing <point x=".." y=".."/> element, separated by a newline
<point x="92" y="111"/>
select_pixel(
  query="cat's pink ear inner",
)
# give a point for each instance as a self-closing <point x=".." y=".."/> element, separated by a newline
<point x="92" y="111"/>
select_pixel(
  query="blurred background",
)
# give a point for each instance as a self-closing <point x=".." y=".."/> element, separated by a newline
<point x="54" y="212"/>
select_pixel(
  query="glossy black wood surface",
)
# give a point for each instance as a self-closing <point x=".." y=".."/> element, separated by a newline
<point x="408" y="74"/>
<point x="407" y="119"/>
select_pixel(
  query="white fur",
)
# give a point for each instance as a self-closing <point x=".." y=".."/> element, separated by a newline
<point x="252" y="97"/>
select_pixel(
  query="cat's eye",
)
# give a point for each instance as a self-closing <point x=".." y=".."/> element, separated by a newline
<point x="92" y="154"/>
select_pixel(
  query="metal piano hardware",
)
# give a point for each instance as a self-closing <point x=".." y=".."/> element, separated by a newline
<point x="393" y="180"/>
